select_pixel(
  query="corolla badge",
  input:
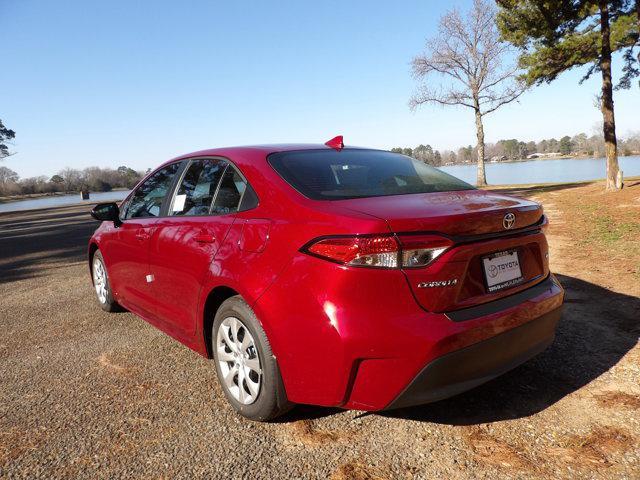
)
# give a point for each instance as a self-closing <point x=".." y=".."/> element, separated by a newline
<point x="438" y="283"/>
<point x="509" y="221"/>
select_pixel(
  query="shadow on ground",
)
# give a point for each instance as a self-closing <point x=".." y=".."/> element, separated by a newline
<point x="51" y="236"/>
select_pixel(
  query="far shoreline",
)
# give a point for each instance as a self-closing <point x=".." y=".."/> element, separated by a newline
<point x="36" y="196"/>
<point x="520" y="160"/>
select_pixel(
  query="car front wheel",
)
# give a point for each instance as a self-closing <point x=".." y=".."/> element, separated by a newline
<point x="246" y="367"/>
<point x="102" y="285"/>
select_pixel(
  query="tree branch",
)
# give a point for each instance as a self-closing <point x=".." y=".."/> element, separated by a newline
<point x="505" y="99"/>
<point x="467" y="55"/>
<point x="449" y="98"/>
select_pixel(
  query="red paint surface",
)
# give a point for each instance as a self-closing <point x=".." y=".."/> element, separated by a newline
<point x="330" y="326"/>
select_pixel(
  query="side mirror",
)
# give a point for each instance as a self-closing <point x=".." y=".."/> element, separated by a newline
<point x="107" y="212"/>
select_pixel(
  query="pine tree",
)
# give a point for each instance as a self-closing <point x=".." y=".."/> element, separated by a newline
<point x="555" y="36"/>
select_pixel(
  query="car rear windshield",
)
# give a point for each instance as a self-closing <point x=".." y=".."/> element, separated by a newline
<point x="354" y="173"/>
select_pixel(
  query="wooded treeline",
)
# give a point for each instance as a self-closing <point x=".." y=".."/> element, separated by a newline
<point x="580" y="145"/>
<point x="94" y="179"/>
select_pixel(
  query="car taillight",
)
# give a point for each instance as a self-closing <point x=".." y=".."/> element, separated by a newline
<point x="379" y="251"/>
<point x="421" y="250"/>
<point x="384" y="251"/>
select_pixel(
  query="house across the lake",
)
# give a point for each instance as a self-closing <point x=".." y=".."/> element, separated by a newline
<point x="544" y="155"/>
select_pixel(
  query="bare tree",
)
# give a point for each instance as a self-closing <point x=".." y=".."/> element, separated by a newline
<point x="471" y="62"/>
<point x="7" y="175"/>
<point x="72" y="179"/>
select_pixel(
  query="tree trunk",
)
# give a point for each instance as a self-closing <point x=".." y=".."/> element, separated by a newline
<point x="482" y="177"/>
<point x="610" y="143"/>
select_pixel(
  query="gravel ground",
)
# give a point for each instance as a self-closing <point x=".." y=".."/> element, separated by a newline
<point x="88" y="394"/>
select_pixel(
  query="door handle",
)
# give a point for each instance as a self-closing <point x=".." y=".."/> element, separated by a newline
<point x="204" y="238"/>
<point x="142" y="235"/>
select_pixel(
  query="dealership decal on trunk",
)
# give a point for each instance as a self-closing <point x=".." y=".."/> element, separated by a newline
<point x="502" y="270"/>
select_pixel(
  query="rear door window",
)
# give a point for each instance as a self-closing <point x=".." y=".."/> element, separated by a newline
<point x="197" y="188"/>
<point x="230" y="193"/>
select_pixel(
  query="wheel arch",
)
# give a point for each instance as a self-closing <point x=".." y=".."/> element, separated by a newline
<point x="93" y="248"/>
<point x="214" y="299"/>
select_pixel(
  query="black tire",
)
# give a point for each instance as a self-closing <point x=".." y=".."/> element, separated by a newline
<point x="271" y="401"/>
<point x="108" y="304"/>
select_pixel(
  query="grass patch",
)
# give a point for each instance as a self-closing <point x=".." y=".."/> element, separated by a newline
<point x="602" y="228"/>
<point x="606" y="230"/>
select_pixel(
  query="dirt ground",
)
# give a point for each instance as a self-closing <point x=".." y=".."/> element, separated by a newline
<point x="88" y="394"/>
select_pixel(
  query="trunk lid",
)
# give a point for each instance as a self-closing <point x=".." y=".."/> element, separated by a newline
<point x="457" y="279"/>
<point x="468" y="212"/>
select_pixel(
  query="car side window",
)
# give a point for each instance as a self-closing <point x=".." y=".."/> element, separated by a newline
<point x="232" y="187"/>
<point x="147" y="200"/>
<point x="197" y="188"/>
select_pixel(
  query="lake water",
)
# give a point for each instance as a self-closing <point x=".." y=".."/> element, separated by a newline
<point x="61" y="200"/>
<point x="533" y="171"/>
<point x="544" y="171"/>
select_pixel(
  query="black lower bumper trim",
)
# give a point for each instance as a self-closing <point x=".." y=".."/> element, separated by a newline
<point x="503" y="303"/>
<point x="469" y="367"/>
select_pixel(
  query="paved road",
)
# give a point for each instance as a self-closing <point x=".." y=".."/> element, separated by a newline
<point x="86" y="394"/>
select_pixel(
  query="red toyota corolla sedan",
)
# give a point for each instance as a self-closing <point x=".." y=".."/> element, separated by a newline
<point x="332" y="276"/>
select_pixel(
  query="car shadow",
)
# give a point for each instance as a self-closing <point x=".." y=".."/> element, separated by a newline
<point x="306" y="412"/>
<point x="31" y="239"/>
<point x="597" y="329"/>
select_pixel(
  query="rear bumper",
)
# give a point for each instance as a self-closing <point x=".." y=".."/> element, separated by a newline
<point x="469" y="367"/>
<point x="356" y="338"/>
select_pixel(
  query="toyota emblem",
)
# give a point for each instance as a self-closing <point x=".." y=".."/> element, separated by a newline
<point x="509" y="221"/>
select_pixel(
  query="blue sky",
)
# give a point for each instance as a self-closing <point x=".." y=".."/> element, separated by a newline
<point x="137" y="82"/>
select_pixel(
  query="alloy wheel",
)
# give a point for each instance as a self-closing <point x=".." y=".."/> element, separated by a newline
<point x="100" y="280"/>
<point x="237" y="356"/>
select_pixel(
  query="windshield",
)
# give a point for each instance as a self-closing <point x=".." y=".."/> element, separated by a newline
<point x="354" y="173"/>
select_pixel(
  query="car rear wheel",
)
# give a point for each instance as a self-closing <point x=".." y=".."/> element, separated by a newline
<point x="245" y="364"/>
<point x="102" y="285"/>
